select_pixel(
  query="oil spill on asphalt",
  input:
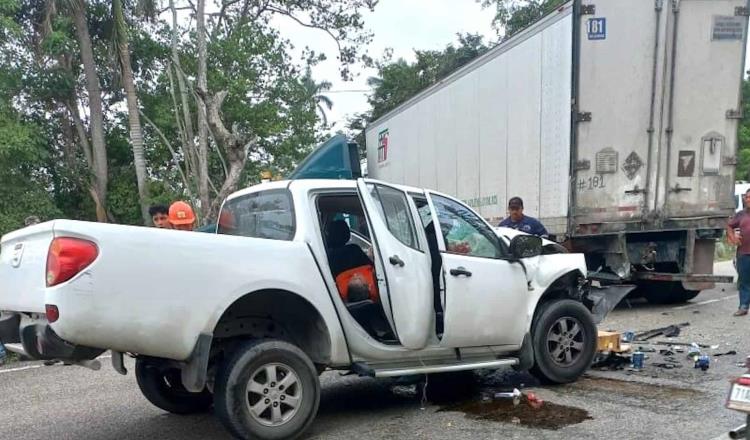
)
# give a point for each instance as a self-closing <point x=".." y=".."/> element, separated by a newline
<point x="549" y="416"/>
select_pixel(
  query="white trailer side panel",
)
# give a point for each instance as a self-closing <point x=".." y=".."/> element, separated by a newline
<point x="493" y="111"/>
<point x="495" y="129"/>
<point x="524" y="124"/>
<point x="557" y="67"/>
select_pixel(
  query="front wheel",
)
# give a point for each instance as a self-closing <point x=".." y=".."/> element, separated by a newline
<point x="163" y="388"/>
<point x="564" y="339"/>
<point x="267" y="389"/>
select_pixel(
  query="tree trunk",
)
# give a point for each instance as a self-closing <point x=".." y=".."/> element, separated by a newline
<point x="202" y="122"/>
<point x="99" y="149"/>
<point x="189" y="145"/>
<point x="235" y="144"/>
<point x="134" y="121"/>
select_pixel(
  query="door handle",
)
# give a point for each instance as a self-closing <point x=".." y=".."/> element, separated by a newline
<point x="396" y="261"/>
<point x="460" y="271"/>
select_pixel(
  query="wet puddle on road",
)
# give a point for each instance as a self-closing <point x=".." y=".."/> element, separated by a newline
<point x="552" y="416"/>
<point x="549" y="416"/>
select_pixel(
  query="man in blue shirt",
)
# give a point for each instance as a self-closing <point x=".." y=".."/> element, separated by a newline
<point x="524" y="223"/>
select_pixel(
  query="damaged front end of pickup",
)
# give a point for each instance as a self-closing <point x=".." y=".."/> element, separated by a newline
<point x="601" y="300"/>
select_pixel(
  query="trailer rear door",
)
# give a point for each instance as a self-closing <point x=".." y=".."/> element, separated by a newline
<point x="619" y="82"/>
<point x="707" y="41"/>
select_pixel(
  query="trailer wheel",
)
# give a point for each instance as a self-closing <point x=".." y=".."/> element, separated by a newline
<point x="267" y="389"/>
<point x="163" y="388"/>
<point x="669" y="293"/>
<point x="564" y="339"/>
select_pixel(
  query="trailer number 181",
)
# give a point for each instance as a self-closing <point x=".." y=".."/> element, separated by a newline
<point x="597" y="28"/>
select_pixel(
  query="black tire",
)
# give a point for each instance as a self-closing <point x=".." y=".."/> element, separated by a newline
<point x="163" y="388"/>
<point x="669" y="293"/>
<point x="552" y="363"/>
<point x="233" y="396"/>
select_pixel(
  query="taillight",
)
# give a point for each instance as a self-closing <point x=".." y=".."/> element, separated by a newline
<point x="744" y="380"/>
<point x="67" y="257"/>
<point x="53" y="314"/>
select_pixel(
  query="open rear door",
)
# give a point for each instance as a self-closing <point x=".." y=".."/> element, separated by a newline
<point x="402" y="261"/>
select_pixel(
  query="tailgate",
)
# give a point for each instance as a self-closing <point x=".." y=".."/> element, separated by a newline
<point x="23" y="263"/>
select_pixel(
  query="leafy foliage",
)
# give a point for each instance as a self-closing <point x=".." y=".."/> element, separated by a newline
<point x="512" y="16"/>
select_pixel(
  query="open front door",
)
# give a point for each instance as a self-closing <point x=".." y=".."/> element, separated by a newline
<point x="402" y="262"/>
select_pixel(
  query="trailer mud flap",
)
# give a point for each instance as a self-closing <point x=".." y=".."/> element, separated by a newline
<point x="603" y="299"/>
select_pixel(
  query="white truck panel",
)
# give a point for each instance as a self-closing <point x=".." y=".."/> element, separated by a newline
<point x="524" y="128"/>
<point x="465" y="134"/>
<point x="493" y="109"/>
<point x="446" y="153"/>
<point x="555" y="136"/>
<point x="25" y="248"/>
<point x="498" y="128"/>
<point x="705" y="88"/>
<point x="427" y="165"/>
<point x="616" y="87"/>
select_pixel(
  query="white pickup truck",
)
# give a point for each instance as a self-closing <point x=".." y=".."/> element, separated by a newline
<point x="247" y="318"/>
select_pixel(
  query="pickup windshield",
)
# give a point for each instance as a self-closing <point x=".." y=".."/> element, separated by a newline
<point x="265" y="214"/>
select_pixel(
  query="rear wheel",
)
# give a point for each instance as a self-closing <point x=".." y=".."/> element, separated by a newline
<point x="268" y="390"/>
<point x="564" y="340"/>
<point x="163" y="388"/>
<point x="668" y="293"/>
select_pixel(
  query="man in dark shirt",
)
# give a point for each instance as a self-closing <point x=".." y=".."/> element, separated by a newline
<point x="517" y="220"/>
<point x="741" y="221"/>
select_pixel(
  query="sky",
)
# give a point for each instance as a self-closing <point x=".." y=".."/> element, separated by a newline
<point x="402" y="25"/>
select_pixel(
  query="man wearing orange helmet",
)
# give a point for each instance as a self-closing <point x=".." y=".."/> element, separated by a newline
<point x="181" y="216"/>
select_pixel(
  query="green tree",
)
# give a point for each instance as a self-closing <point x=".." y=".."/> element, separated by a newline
<point x="743" y="155"/>
<point x="397" y="81"/>
<point x="316" y="92"/>
<point x="512" y="16"/>
<point x="122" y="46"/>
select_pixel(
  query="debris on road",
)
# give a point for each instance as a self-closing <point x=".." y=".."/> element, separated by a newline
<point x="628" y="336"/>
<point x="612" y="361"/>
<point x="677" y="343"/>
<point x="703" y="362"/>
<point x="667" y="365"/>
<point x="638" y="359"/>
<point x="608" y="342"/>
<point x="668" y="331"/>
<point x="728" y="353"/>
<point x="514" y="395"/>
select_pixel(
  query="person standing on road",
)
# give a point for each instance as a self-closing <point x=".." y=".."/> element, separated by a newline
<point x="181" y="216"/>
<point x="160" y="216"/>
<point x="518" y="221"/>
<point x="741" y="221"/>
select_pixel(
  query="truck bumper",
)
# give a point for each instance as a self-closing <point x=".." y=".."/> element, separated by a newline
<point x="38" y="340"/>
<point x="684" y="277"/>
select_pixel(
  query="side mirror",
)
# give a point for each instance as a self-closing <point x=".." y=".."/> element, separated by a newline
<point x="525" y="246"/>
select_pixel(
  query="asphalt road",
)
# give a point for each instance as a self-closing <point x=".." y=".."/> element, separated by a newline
<point x="66" y="402"/>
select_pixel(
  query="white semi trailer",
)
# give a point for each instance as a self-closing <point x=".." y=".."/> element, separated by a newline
<point x="615" y="121"/>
